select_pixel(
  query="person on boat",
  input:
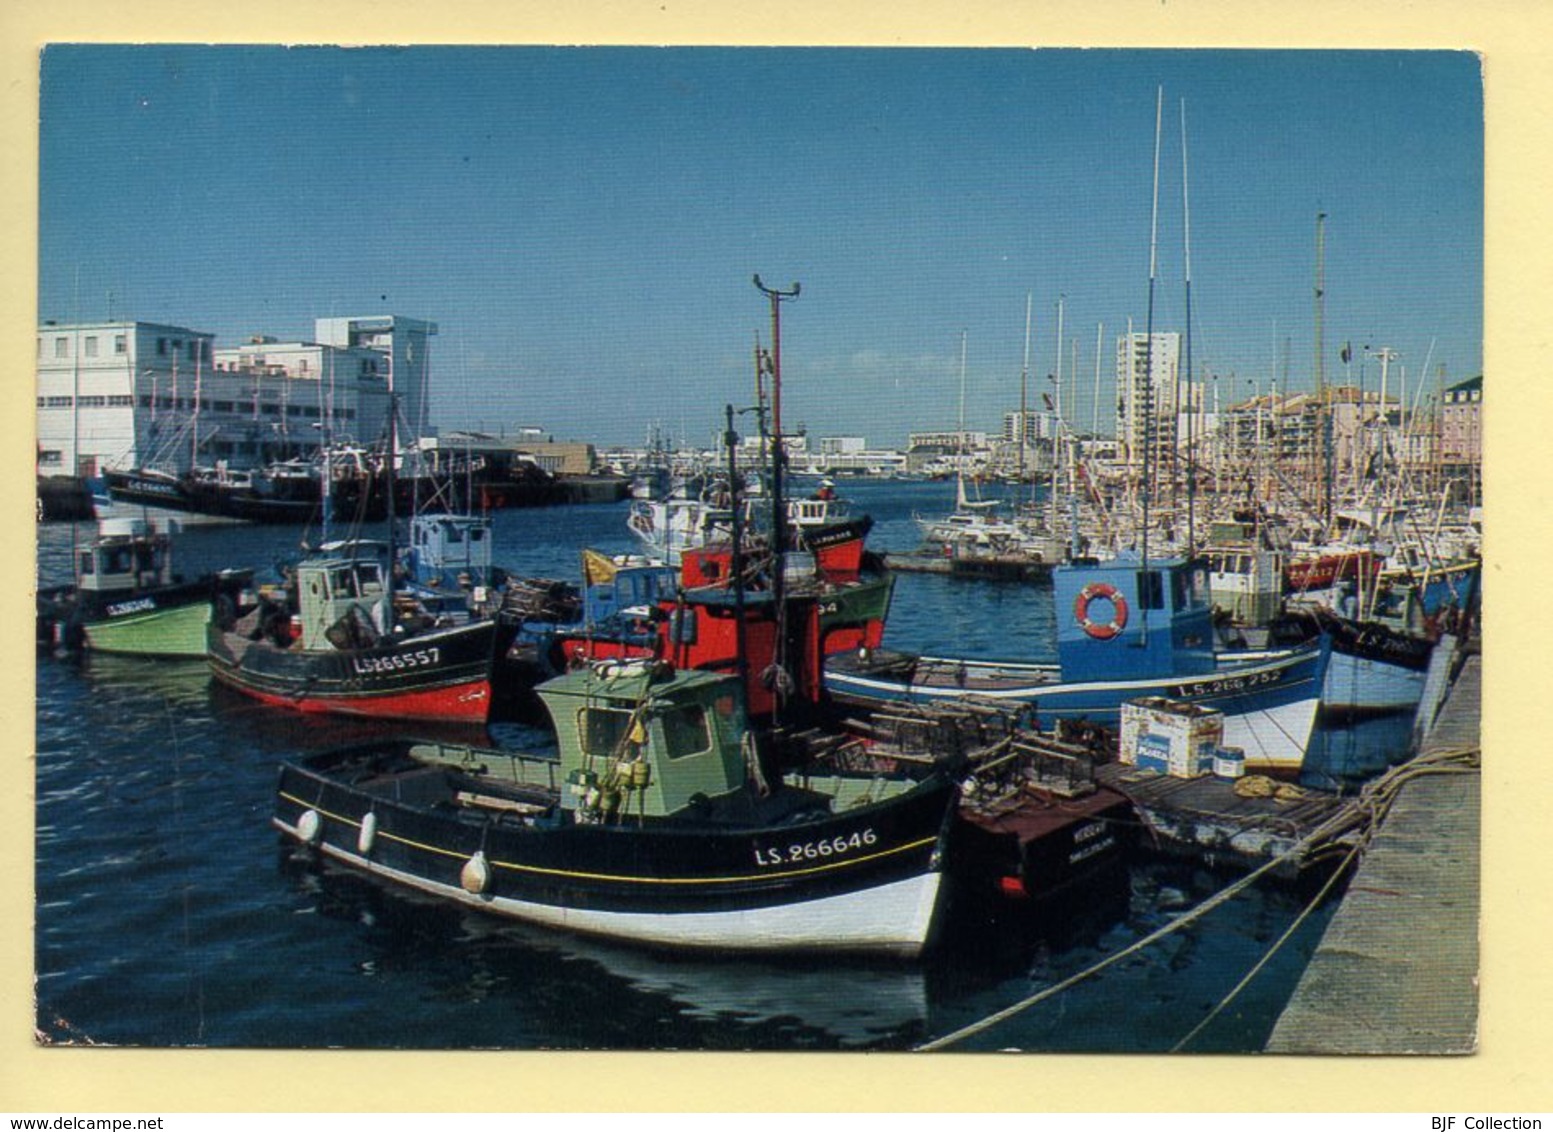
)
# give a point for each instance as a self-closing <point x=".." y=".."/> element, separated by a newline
<point x="827" y="491"/>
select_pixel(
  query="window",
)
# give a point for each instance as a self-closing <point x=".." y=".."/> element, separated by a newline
<point x="161" y="346"/>
<point x="120" y="344"/>
<point x="91" y="345"/>
<point x="685" y="731"/>
<point x="61" y="347"/>
<point x="41" y="402"/>
<point x="51" y="457"/>
<point x="60" y="402"/>
<point x="92" y="402"/>
<point x="145" y="400"/>
<point x="293" y="410"/>
<point x="222" y="406"/>
<point x="121" y="399"/>
<point x="1151" y="590"/>
<point x="602" y="730"/>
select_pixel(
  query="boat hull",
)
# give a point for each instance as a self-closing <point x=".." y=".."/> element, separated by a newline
<point x="165" y="621"/>
<point x="673" y="884"/>
<point x="179" y="631"/>
<point x="1269" y="708"/>
<point x="442" y="675"/>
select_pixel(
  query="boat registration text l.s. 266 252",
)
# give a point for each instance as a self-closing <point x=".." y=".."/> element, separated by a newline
<point x="420" y="658"/>
<point x="816" y="850"/>
<point x="1219" y="685"/>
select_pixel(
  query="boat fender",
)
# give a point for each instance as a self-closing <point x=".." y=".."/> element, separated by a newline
<point x="475" y="876"/>
<point x="310" y="826"/>
<point x="368" y="834"/>
<point x="1100" y="630"/>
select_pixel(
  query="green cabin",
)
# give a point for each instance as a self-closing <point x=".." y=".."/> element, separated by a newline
<point x="638" y="738"/>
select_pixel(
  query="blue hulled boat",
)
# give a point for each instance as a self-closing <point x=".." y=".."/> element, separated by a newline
<point x="1123" y="632"/>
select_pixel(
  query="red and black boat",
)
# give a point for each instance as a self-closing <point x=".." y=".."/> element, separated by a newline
<point x="337" y="643"/>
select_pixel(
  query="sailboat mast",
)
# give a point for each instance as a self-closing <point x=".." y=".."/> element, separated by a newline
<point x="1024" y="381"/>
<point x="1149" y="424"/>
<point x="1323" y="408"/>
<point x="1057" y="419"/>
<point x="1191" y="448"/>
<point x="959" y="464"/>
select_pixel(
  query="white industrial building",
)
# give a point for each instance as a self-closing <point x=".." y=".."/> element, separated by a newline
<point x="131" y="394"/>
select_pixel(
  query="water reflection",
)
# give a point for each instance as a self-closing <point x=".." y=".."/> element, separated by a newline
<point x="523" y="986"/>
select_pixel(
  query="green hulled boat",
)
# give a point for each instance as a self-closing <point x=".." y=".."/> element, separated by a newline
<point x="128" y="600"/>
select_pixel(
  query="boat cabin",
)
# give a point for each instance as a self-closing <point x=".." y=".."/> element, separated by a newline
<point x="127" y="555"/>
<point x="1245" y="582"/>
<point x="1117" y="620"/>
<point x="329" y="590"/>
<point x="449" y="551"/>
<point x="640" y="738"/>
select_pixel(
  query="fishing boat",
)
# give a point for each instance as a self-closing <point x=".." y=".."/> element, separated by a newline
<point x="649" y="826"/>
<point x="1124" y="631"/>
<point x="720" y="605"/>
<point x="128" y="599"/>
<point x="341" y="638"/>
<point x="338" y="640"/>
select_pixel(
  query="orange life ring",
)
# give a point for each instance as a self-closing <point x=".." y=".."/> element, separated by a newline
<point x="1100" y="630"/>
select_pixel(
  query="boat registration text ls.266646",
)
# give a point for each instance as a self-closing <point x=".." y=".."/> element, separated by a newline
<point x="420" y="658"/>
<point x="816" y="850"/>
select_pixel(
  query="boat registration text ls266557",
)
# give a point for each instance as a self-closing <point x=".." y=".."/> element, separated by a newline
<point x="420" y="658"/>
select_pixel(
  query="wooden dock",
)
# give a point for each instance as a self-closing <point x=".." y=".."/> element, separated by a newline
<point x="1396" y="971"/>
<point x="1208" y="819"/>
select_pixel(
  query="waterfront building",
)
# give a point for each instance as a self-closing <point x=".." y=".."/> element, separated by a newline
<point x="1461" y="431"/>
<point x="405" y="343"/>
<point x="115" y="393"/>
<point x="126" y="394"/>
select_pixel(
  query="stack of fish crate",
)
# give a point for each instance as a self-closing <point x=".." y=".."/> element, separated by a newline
<point x="1174" y="738"/>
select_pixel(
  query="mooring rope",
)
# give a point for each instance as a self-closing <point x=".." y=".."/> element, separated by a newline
<point x="1375" y="799"/>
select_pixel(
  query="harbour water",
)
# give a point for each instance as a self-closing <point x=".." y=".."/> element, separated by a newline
<point x="170" y="914"/>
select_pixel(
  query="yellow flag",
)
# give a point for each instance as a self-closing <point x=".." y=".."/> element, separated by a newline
<point x="597" y="568"/>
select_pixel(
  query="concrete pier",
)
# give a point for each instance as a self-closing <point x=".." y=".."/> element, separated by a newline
<point x="1396" y="971"/>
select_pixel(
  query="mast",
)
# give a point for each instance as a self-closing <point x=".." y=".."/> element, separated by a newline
<point x="1094" y="426"/>
<point x="1148" y="375"/>
<point x="778" y="506"/>
<point x="194" y="420"/>
<point x="959" y="465"/>
<point x="1056" y="419"/>
<point x="736" y="563"/>
<point x="1024" y="380"/>
<point x="1323" y="409"/>
<point x="1191" y="450"/>
<point x="388" y="485"/>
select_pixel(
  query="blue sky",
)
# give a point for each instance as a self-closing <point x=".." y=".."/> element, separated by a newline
<point x="583" y="224"/>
